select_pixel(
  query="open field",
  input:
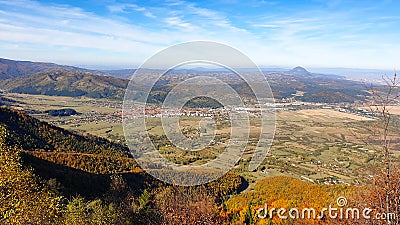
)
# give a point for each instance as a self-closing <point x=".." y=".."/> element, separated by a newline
<point x="82" y="104"/>
<point x="322" y="115"/>
<point x="393" y="109"/>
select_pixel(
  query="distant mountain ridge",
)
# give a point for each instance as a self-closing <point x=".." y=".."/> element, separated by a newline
<point x="15" y="69"/>
<point x="122" y="73"/>
<point x="300" y="84"/>
<point x="67" y="83"/>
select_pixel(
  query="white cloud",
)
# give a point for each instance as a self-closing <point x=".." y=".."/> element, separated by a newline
<point x="126" y="8"/>
<point x="119" y="8"/>
<point x="150" y="15"/>
<point x="207" y="17"/>
<point x="175" y="2"/>
<point x="178" y="22"/>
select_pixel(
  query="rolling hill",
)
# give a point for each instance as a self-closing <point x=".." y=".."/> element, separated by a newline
<point x="69" y="157"/>
<point x="14" y="69"/>
<point x="67" y="83"/>
<point x="302" y="85"/>
<point x="30" y="134"/>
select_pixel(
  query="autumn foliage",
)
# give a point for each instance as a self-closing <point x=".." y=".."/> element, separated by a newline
<point x="284" y="192"/>
<point x="24" y="198"/>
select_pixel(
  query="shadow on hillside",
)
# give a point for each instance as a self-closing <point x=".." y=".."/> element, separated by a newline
<point x="243" y="186"/>
<point x="76" y="182"/>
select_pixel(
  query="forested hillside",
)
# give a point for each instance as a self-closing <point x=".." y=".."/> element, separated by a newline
<point x="31" y="134"/>
<point x="14" y="69"/>
<point x="53" y="176"/>
<point x="67" y="83"/>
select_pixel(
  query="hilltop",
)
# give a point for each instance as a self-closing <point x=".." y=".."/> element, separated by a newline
<point x="299" y="71"/>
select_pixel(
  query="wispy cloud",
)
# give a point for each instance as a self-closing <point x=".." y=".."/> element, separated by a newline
<point x="175" y="2"/>
<point x="200" y="17"/>
<point x="178" y="22"/>
<point x="150" y="15"/>
<point x="55" y="27"/>
<point x="125" y="7"/>
<point x="68" y="31"/>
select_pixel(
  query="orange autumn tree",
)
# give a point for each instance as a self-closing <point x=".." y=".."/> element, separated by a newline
<point x="285" y="192"/>
<point x="24" y="199"/>
<point x="187" y="205"/>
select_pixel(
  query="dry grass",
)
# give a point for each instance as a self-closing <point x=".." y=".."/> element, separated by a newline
<point x="321" y="115"/>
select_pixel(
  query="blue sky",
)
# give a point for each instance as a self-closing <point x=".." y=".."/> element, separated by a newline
<point x="113" y="33"/>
